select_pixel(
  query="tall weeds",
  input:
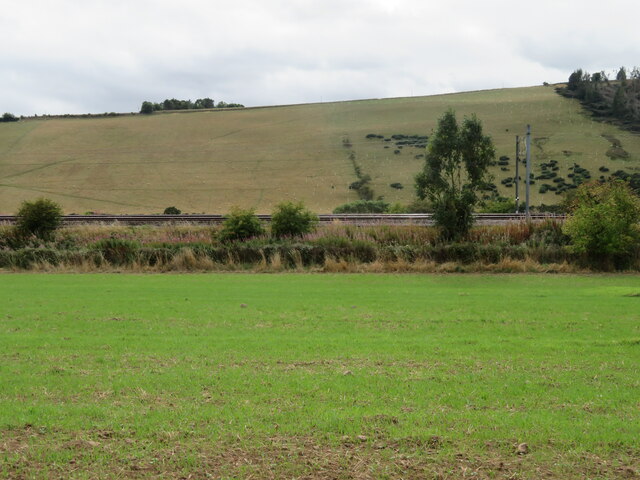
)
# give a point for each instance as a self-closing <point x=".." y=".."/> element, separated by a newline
<point x="517" y="247"/>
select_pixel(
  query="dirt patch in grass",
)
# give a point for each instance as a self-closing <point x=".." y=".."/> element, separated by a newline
<point x="109" y="454"/>
<point x="616" y="151"/>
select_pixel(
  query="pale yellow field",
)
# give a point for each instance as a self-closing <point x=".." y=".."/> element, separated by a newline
<point x="209" y="161"/>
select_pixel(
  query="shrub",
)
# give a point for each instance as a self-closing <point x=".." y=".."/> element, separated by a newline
<point x="499" y="205"/>
<point x="420" y="206"/>
<point x="292" y="220"/>
<point x="358" y="184"/>
<point x="340" y="248"/>
<point x="118" y="251"/>
<point x="603" y="223"/>
<point x="365" y="192"/>
<point x="9" y="117"/>
<point x="240" y="225"/>
<point x="12" y="239"/>
<point x="396" y="185"/>
<point x="172" y="211"/>
<point x="26" y="257"/>
<point x="363" y="206"/>
<point x="397" y="208"/>
<point x="40" y="218"/>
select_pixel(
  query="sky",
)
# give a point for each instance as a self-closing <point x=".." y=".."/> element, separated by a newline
<point x="94" y="56"/>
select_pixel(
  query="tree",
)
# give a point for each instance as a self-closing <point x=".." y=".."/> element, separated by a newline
<point x="292" y="220"/>
<point x="455" y="171"/>
<point x="575" y="80"/>
<point x="619" y="105"/>
<point x="9" y="117"/>
<point x="204" y="103"/>
<point x="146" y="108"/>
<point x="40" y="218"/>
<point x="603" y="223"/>
<point x="621" y="76"/>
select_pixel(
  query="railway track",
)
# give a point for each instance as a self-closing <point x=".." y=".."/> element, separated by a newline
<point x="349" y="218"/>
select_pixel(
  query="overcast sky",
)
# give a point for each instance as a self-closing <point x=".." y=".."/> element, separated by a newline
<point x="93" y="56"/>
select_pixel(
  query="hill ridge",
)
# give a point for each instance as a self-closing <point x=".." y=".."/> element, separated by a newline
<point x="259" y="156"/>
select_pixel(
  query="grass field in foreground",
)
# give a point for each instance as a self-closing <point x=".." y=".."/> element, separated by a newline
<point x="319" y="376"/>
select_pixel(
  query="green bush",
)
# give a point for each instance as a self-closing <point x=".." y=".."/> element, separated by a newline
<point x="40" y="218"/>
<point x="240" y="225"/>
<point x="26" y="257"/>
<point x="12" y="239"/>
<point x="8" y="117"/>
<point x="603" y="223"/>
<point x="292" y="220"/>
<point x="152" y="256"/>
<point x="118" y="251"/>
<point x="397" y="208"/>
<point x="363" y="206"/>
<point x="420" y="206"/>
<point x="341" y="248"/>
<point x="499" y="205"/>
<point x="172" y="211"/>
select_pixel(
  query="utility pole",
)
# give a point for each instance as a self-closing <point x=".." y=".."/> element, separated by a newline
<point x="528" y="168"/>
<point x="517" y="174"/>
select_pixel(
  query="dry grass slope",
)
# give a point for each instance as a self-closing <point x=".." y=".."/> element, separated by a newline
<point x="209" y="161"/>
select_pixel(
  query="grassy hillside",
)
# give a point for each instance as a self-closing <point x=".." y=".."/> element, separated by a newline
<point x="209" y="161"/>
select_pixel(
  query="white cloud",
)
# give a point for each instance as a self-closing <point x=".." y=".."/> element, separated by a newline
<point x="66" y="56"/>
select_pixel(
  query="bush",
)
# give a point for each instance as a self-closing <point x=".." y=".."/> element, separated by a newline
<point x="397" y="208"/>
<point x="603" y="224"/>
<point x="363" y="206"/>
<point x="420" y="206"/>
<point x="26" y="257"/>
<point x="365" y="192"/>
<point x="292" y="220"/>
<point x="9" y="117"/>
<point x="340" y="248"/>
<point x="396" y="185"/>
<point x="40" y="218"/>
<point x="499" y="205"/>
<point x="172" y="211"/>
<point x="240" y="225"/>
<point x="118" y="251"/>
<point x="12" y="239"/>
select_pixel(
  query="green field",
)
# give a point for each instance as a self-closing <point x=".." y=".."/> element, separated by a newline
<point x="208" y="161"/>
<point x="319" y="376"/>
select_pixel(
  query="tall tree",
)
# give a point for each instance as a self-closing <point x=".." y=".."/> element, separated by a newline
<point x="146" y="108"/>
<point x="455" y="171"/>
<point x="619" y="106"/>
<point x="575" y="80"/>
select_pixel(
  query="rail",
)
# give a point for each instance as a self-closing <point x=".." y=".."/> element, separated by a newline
<point x="348" y="218"/>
